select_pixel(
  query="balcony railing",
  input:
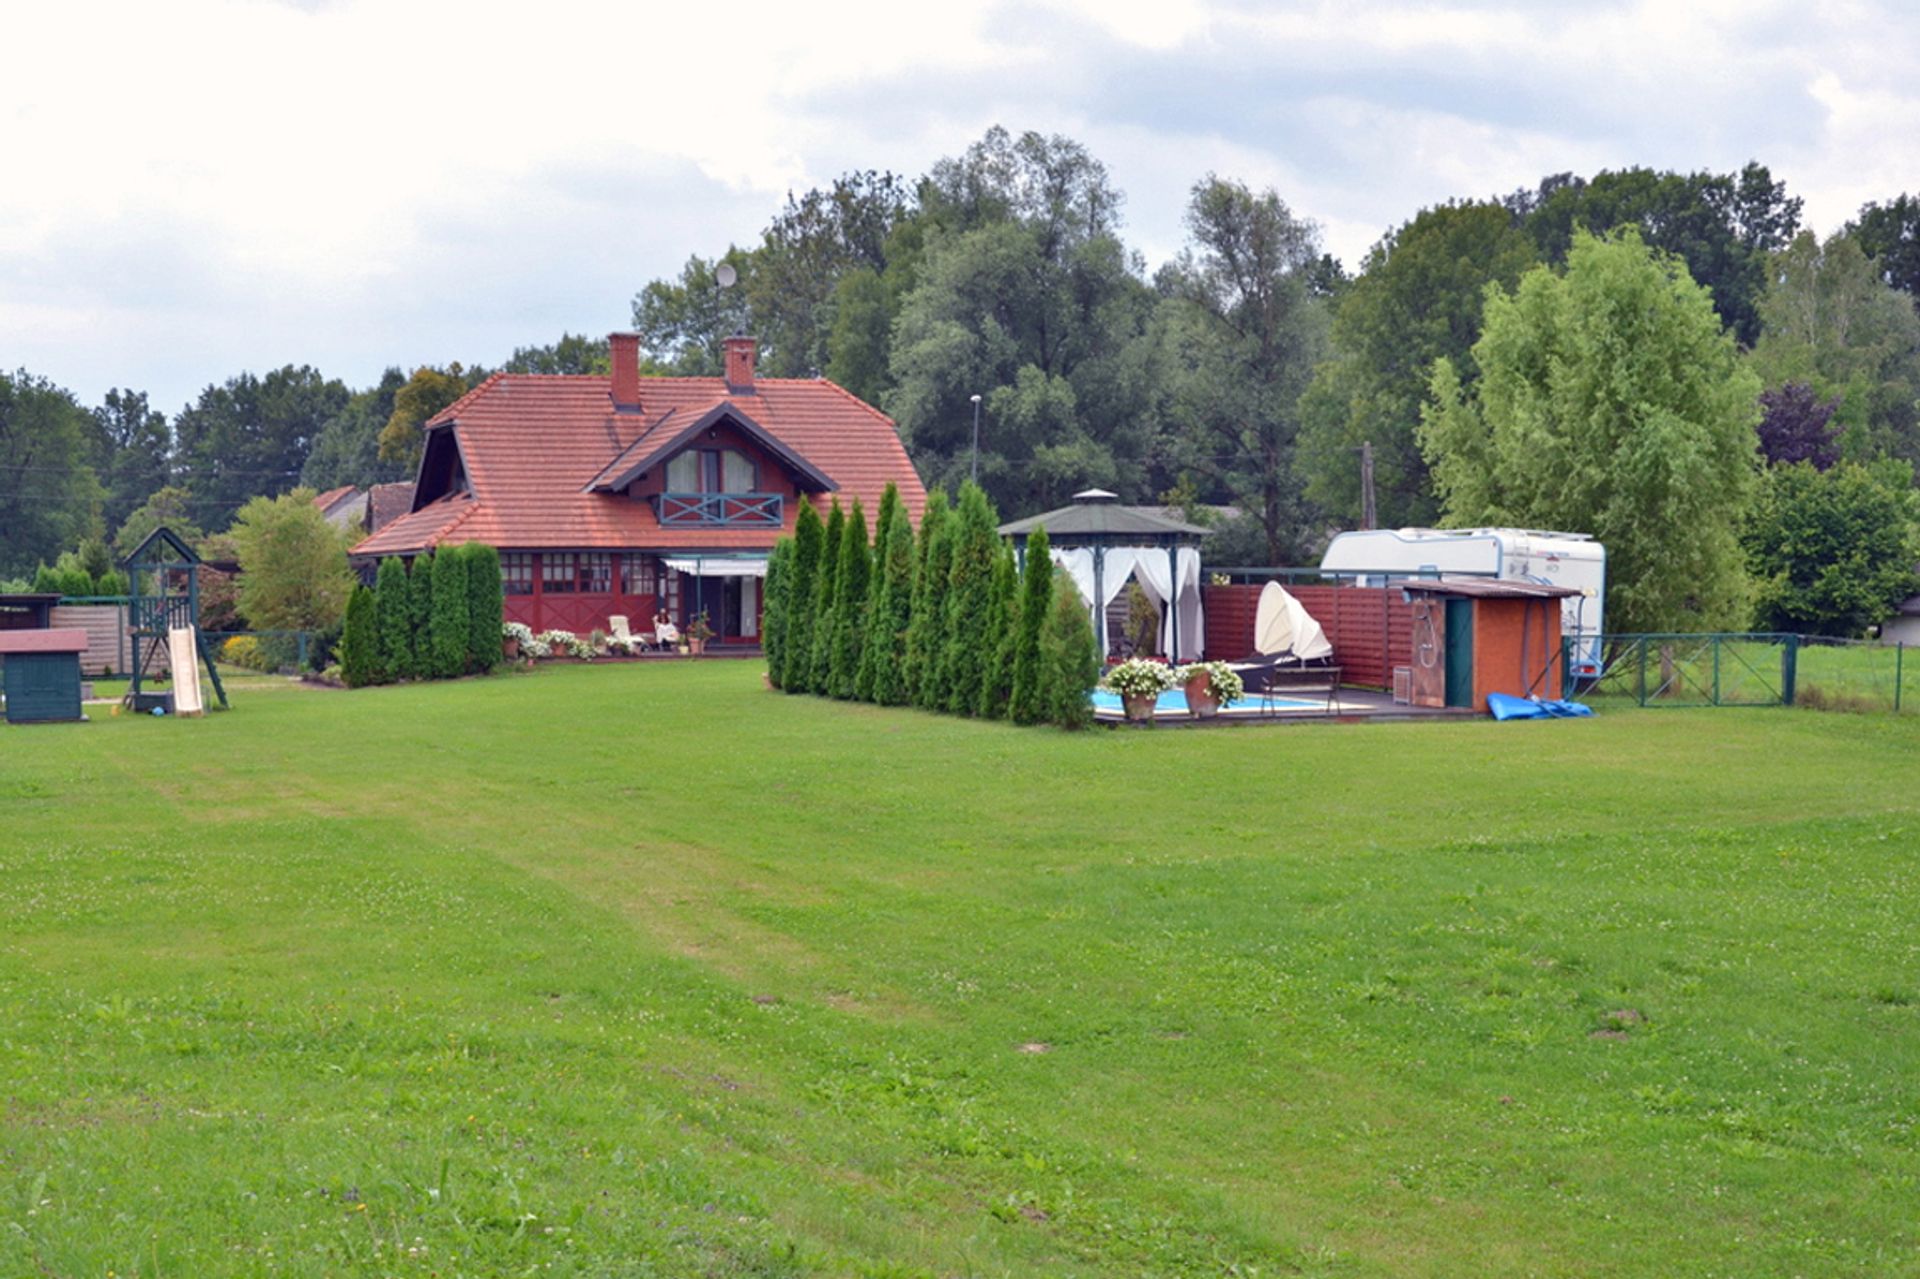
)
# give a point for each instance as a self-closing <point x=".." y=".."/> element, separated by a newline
<point x="759" y="510"/>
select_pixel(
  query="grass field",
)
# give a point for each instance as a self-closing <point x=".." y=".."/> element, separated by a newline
<point x="647" y="971"/>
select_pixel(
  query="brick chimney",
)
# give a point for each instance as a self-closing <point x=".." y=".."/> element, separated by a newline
<point x="623" y="351"/>
<point x="741" y="351"/>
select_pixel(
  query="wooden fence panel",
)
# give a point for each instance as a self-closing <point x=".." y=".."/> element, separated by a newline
<point x="1370" y="628"/>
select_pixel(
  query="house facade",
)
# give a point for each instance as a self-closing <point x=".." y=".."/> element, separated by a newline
<point x="623" y="495"/>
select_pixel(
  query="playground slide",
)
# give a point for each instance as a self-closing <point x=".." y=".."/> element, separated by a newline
<point x="183" y="658"/>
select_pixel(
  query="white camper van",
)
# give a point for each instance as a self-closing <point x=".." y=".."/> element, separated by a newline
<point x="1517" y="554"/>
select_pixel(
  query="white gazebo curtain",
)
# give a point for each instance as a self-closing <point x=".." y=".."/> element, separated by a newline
<point x="1151" y="567"/>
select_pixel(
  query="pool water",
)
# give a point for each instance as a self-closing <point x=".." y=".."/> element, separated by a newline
<point x="1174" y="702"/>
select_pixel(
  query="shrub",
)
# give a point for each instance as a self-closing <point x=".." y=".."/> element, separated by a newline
<point x="850" y="606"/>
<point x="360" y="642"/>
<point x="773" y="613"/>
<point x="797" y="639"/>
<point x="447" y="628"/>
<point x="1070" y="660"/>
<point x="113" y="582"/>
<point x="996" y="682"/>
<point x="486" y="606"/>
<point x="929" y="602"/>
<point x="825" y="596"/>
<point x="1027" y="704"/>
<point x="889" y="615"/>
<point x="420" y="618"/>
<point x="393" y="618"/>
<point x="967" y="647"/>
<point x="243" y="651"/>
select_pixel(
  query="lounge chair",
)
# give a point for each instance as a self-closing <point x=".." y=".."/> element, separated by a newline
<point x="1289" y="646"/>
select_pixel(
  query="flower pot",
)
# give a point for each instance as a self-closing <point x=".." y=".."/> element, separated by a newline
<point x="683" y="650"/>
<point x="1201" y="703"/>
<point x="699" y="646"/>
<point x="1139" y="706"/>
<point x="509" y="648"/>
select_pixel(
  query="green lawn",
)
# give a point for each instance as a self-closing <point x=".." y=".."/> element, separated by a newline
<point x="644" y="970"/>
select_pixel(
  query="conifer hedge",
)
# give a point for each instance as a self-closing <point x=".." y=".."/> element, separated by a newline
<point x="797" y="638"/>
<point x="420" y="618"/>
<point x="850" y="605"/>
<point x="360" y="641"/>
<point x="447" y="629"/>
<point x="486" y="607"/>
<point x="393" y="619"/>
<point x="946" y="620"/>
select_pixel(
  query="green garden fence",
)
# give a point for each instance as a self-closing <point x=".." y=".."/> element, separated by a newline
<point x="1751" y="668"/>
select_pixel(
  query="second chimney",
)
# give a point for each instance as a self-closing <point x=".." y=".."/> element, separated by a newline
<point x="623" y="352"/>
<point x="741" y="352"/>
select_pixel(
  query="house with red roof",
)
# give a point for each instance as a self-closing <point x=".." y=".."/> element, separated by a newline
<point x="623" y="495"/>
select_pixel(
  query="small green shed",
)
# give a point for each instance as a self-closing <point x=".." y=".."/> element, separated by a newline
<point x="42" y="674"/>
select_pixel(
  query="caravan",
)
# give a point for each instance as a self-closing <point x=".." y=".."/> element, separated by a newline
<point x="1374" y="556"/>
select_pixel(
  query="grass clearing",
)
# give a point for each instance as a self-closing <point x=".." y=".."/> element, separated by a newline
<point x="645" y="970"/>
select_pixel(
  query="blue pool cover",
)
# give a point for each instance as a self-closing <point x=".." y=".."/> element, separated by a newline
<point x="1503" y="707"/>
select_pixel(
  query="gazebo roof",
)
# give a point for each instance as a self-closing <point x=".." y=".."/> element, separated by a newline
<point x="1098" y="516"/>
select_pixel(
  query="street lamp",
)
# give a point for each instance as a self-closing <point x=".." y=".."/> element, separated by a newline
<point x="976" y="439"/>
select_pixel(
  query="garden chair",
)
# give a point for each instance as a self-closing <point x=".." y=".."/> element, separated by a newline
<point x="622" y="636"/>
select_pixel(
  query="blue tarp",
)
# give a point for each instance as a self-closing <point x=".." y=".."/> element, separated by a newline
<point x="1503" y="707"/>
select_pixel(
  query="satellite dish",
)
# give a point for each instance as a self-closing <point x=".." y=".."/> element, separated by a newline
<point x="726" y="275"/>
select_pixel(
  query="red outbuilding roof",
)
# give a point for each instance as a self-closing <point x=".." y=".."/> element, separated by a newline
<point x="536" y="456"/>
<point x="65" y="640"/>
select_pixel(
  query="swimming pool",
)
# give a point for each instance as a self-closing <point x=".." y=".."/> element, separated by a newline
<point x="1174" y="702"/>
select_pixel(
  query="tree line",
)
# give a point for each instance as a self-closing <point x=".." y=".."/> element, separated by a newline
<point x="1238" y="381"/>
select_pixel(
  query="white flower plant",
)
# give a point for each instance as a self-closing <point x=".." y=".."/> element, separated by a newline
<point x="1222" y="680"/>
<point x="1140" y="677"/>
<point x="564" y="642"/>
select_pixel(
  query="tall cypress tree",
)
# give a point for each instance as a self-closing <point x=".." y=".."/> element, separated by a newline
<point x="486" y="607"/>
<point x="996" y="685"/>
<point x="797" y="629"/>
<point x="773" y="613"/>
<point x="850" y="605"/>
<point x="826" y="593"/>
<point x="393" y="619"/>
<point x="929" y="598"/>
<point x="360" y="641"/>
<point x="969" y="645"/>
<point x="447" y="628"/>
<point x="1027" y="705"/>
<point x="420" y="618"/>
<point x="863" y="678"/>
<point x="1069" y="661"/>
<point x="883" y="662"/>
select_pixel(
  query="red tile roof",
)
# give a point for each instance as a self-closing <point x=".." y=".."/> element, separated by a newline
<point x="326" y="500"/>
<point x="533" y="443"/>
<point x="387" y="503"/>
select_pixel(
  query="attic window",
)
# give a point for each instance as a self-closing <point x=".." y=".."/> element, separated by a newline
<point x="711" y="471"/>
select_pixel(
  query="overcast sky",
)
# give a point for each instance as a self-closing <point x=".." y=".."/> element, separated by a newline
<point x="198" y="187"/>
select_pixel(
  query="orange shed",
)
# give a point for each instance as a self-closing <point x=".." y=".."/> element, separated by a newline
<point x="1474" y="636"/>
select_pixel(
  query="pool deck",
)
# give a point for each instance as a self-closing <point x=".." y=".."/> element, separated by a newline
<point x="1349" y="706"/>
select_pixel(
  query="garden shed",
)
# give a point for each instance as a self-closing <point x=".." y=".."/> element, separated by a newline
<point x="42" y="674"/>
<point x="1474" y="636"/>
<point x="1102" y="545"/>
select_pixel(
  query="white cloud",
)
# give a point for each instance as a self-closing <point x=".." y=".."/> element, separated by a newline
<point x="210" y="185"/>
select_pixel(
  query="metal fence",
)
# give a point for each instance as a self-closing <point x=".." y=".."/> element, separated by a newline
<point x="1746" y="669"/>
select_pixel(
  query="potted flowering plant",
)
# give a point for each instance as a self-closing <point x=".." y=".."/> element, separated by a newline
<point x="1209" y="686"/>
<point x="1140" y="681"/>
<point x="698" y="633"/>
<point x="514" y="636"/>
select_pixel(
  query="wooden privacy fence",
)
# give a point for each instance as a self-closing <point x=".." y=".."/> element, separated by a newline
<point x="1370" y="628"/>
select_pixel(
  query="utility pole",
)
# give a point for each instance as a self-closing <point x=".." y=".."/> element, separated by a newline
<point x="1369" y="514"/>
<point x="976" y="439"/>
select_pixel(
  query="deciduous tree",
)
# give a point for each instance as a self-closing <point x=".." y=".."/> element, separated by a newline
<point x="1612" y="403"/>
<point x="1832" y="553"/>
<point x="49" y="494"/>
<point x="293" y="564"/>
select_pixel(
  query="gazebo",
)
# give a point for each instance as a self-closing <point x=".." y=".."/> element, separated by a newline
<point x="1102" y="544"/>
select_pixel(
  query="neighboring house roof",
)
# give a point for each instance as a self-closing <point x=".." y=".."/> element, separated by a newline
<point x="536" y="449"/>
<point x="328" y="500"/>
<point x="387" y="503"/>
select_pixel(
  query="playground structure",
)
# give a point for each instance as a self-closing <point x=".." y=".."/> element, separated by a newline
<point x="166" y="620"/>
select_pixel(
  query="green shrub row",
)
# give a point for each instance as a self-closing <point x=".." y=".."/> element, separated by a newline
<point x="949" y="620"/>
<point x="439" y="620"/>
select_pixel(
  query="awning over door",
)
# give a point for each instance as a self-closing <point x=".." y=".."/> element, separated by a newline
<point x="718" y="565"/>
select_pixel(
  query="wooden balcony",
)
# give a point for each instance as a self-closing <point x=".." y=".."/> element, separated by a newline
<point x="752" y="510"/>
